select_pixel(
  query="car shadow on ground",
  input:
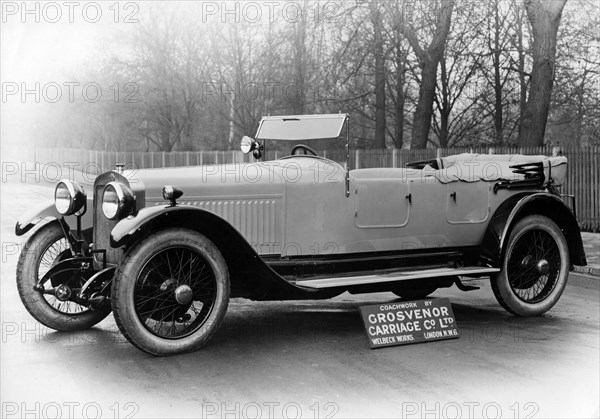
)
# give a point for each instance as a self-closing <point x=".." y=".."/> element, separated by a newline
<point x="252" y="326"/>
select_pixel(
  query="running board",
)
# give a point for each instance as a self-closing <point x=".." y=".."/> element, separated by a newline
<point x="346" y="281"/>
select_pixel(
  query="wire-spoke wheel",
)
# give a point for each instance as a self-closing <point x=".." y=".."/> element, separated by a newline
<point x="171" y="292"/>
<point x="535" y="267"/>
<point x="43" y="250"/>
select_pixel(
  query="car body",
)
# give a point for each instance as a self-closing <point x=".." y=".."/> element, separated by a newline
<point x="300" y="227"/>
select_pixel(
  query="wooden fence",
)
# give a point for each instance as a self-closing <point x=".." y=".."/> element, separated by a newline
<point x="583" y="175"/>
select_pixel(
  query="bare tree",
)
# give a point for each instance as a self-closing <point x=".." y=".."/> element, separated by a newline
<point x="522" y="51"/>
<point x="167" y="63"/>
<point x="544" y="17"/>
<point x="299" y="67"/>
<point x="429" y="58"/>
<point x="456" y="95"/>
<point x="501" y="57"/>
<point x="399" y="66"/>
<point x="400" y="91"/>
<point x="376" y="19"/>
<point x="574" y="112"/>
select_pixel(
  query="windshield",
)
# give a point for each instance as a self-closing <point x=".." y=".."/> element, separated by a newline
<point x="301" y="127"/>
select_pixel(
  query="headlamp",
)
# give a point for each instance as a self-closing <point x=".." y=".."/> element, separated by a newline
<point x="69" y="198"/>
<point x="117" y="201"/>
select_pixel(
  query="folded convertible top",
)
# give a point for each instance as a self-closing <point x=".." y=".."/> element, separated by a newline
<point x="494" y="167"/>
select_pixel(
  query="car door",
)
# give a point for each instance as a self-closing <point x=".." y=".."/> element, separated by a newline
<point x="381" y="202"/>
<point x="467" y="202"/>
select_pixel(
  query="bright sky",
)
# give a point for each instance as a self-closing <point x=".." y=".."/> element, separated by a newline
<point x="47" y="51"/>
<point x="51" y="42"/>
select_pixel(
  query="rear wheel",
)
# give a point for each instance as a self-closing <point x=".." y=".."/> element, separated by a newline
<point x="43" y="250"/>
<point x="535" y="267"/>
<point x="171" y="292"/>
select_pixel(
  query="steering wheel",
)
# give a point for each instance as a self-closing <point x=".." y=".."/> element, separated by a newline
<point x="305" y="148"/>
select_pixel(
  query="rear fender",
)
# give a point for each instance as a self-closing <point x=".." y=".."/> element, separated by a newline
<point x="515" y="208"/>
<point x="47" y="212"/>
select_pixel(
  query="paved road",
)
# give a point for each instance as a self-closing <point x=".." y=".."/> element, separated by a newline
<point x="281" y="359"/>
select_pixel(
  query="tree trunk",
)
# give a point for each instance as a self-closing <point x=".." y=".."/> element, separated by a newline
<point x="444" y="108"/>
<point x="379" y="142"/>
<point x="231" y="136"/>
<point x="545" y="20"/>
<point x="165" y="139"/>
<point x="521" y="64"/>
<point x="300" y="66"/>
<point x="428" y="60"/>
<point x="498" y="108"/>
<point x="444" y="120"/>
<point x="424" y="110"/>
<point x="400" y="96"/>
<point x="580" y="109"/>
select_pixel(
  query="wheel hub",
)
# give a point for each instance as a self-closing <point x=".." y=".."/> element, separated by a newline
<point x="543" y="267"/>
<point x="62" y="292"/>
<point x="183" y="294"/>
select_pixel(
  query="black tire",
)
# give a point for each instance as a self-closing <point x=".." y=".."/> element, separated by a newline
<point x="535" y="268"/>
<point x="154" y="288"/>
<point x="44" y="248"/>
<point x="414" y="293"/>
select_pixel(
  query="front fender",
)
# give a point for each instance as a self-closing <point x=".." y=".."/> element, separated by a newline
<point x="47" y="211"/>
<point x="159" y="216"/>
<point x="251" y="277"/>
<point x="125" y="230"/>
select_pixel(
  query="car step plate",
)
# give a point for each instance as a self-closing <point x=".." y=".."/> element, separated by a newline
<point x="345" y="281"/>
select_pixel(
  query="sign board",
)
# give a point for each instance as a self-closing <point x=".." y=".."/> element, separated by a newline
<point x="409" y="322"/>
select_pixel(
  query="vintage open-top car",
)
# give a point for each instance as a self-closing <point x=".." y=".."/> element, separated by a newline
<point x="165" y="249"/>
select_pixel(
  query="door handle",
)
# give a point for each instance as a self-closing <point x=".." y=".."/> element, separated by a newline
<point x="409" y="197"/>
<point x="453" y="196"/>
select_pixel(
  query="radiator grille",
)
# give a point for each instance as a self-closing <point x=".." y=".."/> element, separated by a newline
<point x="102" y="229"/>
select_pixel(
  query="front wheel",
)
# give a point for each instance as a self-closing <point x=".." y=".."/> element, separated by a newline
<point x="535" y="267"/>
<point x="171" y="292"/>
<point x="43" y="250"/>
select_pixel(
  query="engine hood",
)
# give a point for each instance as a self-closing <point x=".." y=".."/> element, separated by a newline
<point x="218" y="181"/>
